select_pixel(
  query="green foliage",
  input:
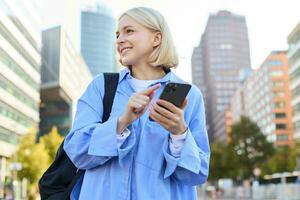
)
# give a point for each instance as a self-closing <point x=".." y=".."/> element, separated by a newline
<point x="34" y="159"/>
<point x="250" y="147"/>
<point x="284" y="160"/>
<point x="52" y="140"/>
<point x="220" y="167"/>
<point x="217" y="162"/>
<point x="297" y="148"/>
<point x="247" y="149"/>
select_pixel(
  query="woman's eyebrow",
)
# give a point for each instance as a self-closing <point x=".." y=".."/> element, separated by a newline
<point x="124" y="28"/>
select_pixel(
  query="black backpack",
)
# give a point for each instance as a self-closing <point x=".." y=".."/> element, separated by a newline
<point x="60" y="178"/>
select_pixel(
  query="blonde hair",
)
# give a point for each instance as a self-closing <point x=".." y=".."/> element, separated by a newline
<point x="164" y="55"/>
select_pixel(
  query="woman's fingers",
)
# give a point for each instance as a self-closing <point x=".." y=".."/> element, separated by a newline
<point x="150" y="90"/>
<point x="163" y="111"/>
<point x="162" y="120"/>
<point x="169" y="106"/>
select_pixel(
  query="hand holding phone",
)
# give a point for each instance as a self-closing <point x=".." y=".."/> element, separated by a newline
<point x="175" y="93"/>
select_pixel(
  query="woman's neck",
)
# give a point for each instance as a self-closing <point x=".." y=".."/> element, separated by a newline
<point x="146" y="72"/>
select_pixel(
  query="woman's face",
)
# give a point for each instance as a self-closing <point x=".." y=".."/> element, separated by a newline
<point x="135" y="43"/>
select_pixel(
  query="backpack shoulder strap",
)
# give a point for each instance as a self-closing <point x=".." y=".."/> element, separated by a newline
<point x="111" y="81"/>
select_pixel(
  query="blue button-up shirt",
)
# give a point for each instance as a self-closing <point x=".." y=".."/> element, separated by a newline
<point x="142" y="167"/>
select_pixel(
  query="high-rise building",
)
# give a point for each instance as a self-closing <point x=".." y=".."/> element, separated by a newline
<point x="65" y="76"/>
<point x="266" y="98"/>
<point x="237" y="104"/>
<point x="224" y="55"/>
<point x="223" y="125"/>
<point x="198" y="76"/>
<point x="294" y="71"/>
<point x="20" y="63"/>
<point x="98" y="28"/>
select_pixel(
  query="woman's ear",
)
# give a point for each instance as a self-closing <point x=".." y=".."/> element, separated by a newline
<point x="157" y="39"/>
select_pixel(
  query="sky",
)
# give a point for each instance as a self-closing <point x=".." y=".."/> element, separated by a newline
<point x="269" y="22"/>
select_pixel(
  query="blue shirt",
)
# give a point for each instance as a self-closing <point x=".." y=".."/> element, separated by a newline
<point x="142" y="167"/>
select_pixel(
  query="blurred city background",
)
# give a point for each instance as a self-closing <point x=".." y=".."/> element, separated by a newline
<point x="243" y="55"/>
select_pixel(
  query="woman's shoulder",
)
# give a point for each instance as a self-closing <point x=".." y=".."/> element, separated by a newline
<point x="98" y="80"/>
<point x="96" y="83"/>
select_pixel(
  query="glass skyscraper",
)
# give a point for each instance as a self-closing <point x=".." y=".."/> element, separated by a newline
<point x="98" y="39"/>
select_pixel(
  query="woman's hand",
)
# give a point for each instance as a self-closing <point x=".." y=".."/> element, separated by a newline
<point x="136" y="107"/>
<point x="169" y="116"/>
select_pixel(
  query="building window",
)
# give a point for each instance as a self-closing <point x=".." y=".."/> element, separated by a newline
<point x="278" y="94"/>
<point x="282" y="137"/>
<point x="295" y="75"/>
<point x="281" y="127"/>
<point x="8" y="62"/>
<point x="15" y="116"/>
<point x="296" y="92"/>
<point x="274" y="63"/>
<point x="278" y="84"/>
<point x="279" y="105"/>
<point x="276" y="73"/>
<point x="280" y="115"/>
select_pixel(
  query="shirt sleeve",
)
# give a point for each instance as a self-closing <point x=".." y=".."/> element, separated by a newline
<point x="192" y="166"/>
<point x="122" y="137"/>
<point x="90" y="142"/>
<point x="176" y="143"/>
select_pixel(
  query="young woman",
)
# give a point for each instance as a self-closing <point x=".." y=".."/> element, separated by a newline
<point x="130" y="157"/>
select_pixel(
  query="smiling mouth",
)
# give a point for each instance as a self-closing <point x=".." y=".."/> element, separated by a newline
<point x="125" y="50"/>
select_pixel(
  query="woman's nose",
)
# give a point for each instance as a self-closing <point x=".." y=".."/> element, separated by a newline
<point x="120" y="39"/>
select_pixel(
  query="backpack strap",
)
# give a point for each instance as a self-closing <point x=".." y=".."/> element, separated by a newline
<point x="111" y="81"/>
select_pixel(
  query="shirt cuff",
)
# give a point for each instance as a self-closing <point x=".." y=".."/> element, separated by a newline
<point x="176" y="143"/>
<point x="122" y="137"/>
<point x="189" y="159"/>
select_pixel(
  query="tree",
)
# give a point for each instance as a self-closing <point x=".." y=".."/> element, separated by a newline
<point x="284" y="160"/>
<point x="222" y="161"/>
<point x="52" y="140"/>
<point x="250" y="147"/>
<point x="216" y="166"/>
<point x="34" y="159"/>
<point x="297" y="154"/>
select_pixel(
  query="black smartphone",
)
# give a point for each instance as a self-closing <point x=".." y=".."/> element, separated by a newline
<point x="175" y="93"/>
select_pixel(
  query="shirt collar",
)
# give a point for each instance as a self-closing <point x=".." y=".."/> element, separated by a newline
<point x="126" y="74"/>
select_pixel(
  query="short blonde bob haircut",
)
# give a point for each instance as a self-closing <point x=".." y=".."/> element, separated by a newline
<point x="164" y="55"/>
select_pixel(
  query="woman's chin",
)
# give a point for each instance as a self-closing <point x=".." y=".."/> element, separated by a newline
<point x="126" y="62"/>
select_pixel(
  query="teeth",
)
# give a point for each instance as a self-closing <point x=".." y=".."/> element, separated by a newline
<point x="126" y="49"/>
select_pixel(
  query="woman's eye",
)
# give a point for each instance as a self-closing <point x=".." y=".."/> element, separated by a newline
<point x="129" y="30"/>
